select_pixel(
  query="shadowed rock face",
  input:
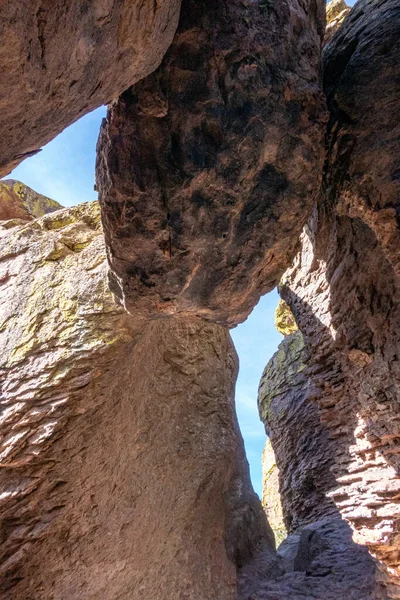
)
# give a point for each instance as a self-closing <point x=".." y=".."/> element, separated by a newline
<point x="343" y="287"/>
<point x="304" y="454"/>
<point x="319" y="557"/>
<point x="208" y="168"/>
<point x="60" y="60"/>
<point x="123" y="472"/>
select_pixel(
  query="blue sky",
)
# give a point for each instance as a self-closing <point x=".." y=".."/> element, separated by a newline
<point x="64" y="171"/>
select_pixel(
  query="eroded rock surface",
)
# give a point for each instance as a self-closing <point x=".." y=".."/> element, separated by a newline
<point x="304" y="454"/>
<point x="336" y="12"/>
<point x="60" y="60"/>
<point x="207" y="169"/>
<point x="271" y="499"/>
<point x="319" y="558"/>
<point x="123" y="472"/>
<point x="19" y="201"/>
<point x="343" y="287"/>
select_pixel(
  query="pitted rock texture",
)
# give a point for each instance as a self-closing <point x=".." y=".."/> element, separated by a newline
<point x="336" y="12"/>
<point x="319" y="558"/>
<point x="19" y="201"/>
<point x="304" y="454"/>
<point x="123" y="472"/>
<point x="60" y="60"/>
<point x="208" y="168"/>
<point x="344" y="287"/>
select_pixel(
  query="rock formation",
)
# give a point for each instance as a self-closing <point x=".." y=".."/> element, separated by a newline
<point x="271" y="499"/>
<point x="343" y="287"/>
<point x="19" y="201"/>
<point x="122" y="469"/>
<point x="319" y="558"/>
<point x="123" y="472"/>
<point x="208" y="168"/>
<point x="60" y="60"/>
<point x="336" y="12"/>
<point x="304" y="454"/>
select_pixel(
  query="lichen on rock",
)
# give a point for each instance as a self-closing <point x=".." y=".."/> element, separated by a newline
<point x="284" y="321"/>
<point x="34" y="203"/>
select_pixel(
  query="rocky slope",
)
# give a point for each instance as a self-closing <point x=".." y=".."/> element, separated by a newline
<point x="60" y="60"/>
<point x="19" y="201"/>
<point x="208" y="168"/>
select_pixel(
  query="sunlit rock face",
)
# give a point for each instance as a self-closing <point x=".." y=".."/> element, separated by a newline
<point x="336" y="12"/>
<point x="319" y="557"/>
<point x="60" y="60"/>
<point x="271" y="499"/>
<point x="344" y="288"/>
<point x="123" y="471"/>
<point x="208" y="168"/>
<point x="19" y="201"/>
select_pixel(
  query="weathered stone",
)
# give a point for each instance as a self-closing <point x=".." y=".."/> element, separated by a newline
<point x="271" y="499"/>
<point x="284" y="320"/>
<point x="208" y="168"/>
<point x="336" y="12"/>
<point x="19" y="201"/>
<point x="123" y="472"/>
<point x="60" y="60"/>
<point x="304" y="454"/>
<point x="319" y="558"/>
<point x="344" y="287"/>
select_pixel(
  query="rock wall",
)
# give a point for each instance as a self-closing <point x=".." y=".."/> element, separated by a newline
<point x="336" y="12"/>
<point x="271" y="499"/>
<point x="319" y="558"/>
<point x="60" y="60"/>
<point x="123" y="472"/>
<point x="343" y="287"/>
<point x="208" y="168"/>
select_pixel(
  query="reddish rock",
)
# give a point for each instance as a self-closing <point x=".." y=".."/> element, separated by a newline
<point x="304" y="454"/>
<point x="123" y="471"/>
<point x="344" y="287"/>
<point x="60" y="60"/>
<point x="208" y="168"/>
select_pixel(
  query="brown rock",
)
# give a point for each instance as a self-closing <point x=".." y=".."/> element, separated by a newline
<point x="304" y="454"/>
<point x="122" y="468"/>
<point x="208" y="168"/>
<point x="344" y="287"/>
<point x="60" y="60"/>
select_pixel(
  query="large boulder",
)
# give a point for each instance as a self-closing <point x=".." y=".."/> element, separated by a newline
<point x="60" y="60"/>
<point x="208" y="168"/>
